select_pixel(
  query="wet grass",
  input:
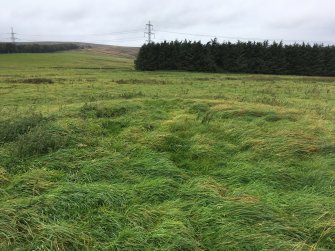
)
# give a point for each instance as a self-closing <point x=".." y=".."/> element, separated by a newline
<point x="106" y="158"/>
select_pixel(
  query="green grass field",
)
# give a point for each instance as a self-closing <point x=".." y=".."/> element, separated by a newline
<point x="97" y="156"/>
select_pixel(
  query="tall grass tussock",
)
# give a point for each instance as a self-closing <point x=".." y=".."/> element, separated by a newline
<point x="114" y="159"/>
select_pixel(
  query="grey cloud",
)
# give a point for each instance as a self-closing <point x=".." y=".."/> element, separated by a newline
<point x="64" y="19"/>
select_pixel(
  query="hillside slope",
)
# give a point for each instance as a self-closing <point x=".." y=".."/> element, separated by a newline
<point x="119" y="51"/>
<point x="111" y="50"/>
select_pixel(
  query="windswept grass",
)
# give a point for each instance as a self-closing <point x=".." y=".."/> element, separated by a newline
<point x="105" y="158"/>
<point x="11" y="129"/>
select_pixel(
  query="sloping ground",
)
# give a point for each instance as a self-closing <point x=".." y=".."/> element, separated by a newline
<point x="111" y="50"/>
<point x="97" y="156"/>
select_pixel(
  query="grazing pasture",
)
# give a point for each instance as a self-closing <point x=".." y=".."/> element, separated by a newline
<point x="97" y="156"/>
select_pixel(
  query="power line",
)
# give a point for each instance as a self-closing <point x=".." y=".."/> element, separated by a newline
<point x="99" y="40"/>
<point x="94" y="34"/>
<point x="246" y="38"/>
<point x="117" y="36"/>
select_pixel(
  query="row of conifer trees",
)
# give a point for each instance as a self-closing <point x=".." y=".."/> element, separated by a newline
<point x="240" y="57"/>
<point x="35" y="48"/>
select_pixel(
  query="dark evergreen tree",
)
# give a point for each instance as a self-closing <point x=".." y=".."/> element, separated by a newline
<point x="35" y="48"/>
<point x="241" y="57"/>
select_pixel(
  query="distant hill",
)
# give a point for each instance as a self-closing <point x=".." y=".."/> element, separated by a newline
<point x="120" y="51"/>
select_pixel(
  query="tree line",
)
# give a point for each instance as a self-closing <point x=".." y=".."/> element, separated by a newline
<point x="240" y="57"/>
<point x="36" y="48"/>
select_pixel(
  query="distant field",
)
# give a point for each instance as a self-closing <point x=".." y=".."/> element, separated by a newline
<point x="126" y="52"/>
<point x="97" y="156"/>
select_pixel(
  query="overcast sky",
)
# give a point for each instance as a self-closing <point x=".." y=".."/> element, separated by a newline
<point x="123" y="22"/>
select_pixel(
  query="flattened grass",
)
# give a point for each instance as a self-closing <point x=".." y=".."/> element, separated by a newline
<point x="107" y="158"/>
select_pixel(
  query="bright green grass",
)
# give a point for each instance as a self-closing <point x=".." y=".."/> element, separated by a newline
<point x="107" y="158"/>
